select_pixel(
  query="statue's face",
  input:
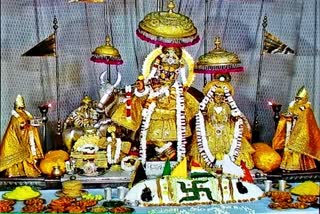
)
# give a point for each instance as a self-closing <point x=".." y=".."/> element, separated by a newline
<point x="219" y="97"/>
<point x="19" y="109"/>
<point x="86" y="105"/>
<point x="155" y="84"/>
<point x="139" y="85"/>
<point x="300" y="100"/>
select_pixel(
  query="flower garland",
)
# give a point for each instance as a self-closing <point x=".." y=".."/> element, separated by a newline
<point x="181" y="122"/>
<point x="236" y="141"/>
<point x="116" y="156"/>
<point x="128" y="101"/>
<point x="141" y="94"/>
<point x="146" y="116"/>
<point x="203" y="146"/>
<point x="238" y="129"/>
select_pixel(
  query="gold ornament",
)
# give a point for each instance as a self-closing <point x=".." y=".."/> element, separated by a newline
<point x="218" y="56"/>
<point x="220" y="87"/>
<point x="111" y="129"/>
<point x="86" y="100"/>
<point x="140" y="77"/>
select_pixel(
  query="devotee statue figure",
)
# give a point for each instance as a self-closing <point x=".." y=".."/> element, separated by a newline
<point x="223" y="133"/>
<point x="21" y="145"/>
<point x="161" y="107"/>
<point x="298" y="135"/>
<point x="83" y="117"/>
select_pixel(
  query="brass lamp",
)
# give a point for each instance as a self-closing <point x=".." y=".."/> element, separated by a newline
<point x="167" y="28"/>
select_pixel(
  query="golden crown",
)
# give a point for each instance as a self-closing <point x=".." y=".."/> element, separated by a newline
<point x="140" y="77"/>
<point x="86" y="100"/>
<point x="220" y="87"/>
<point x="19" y="101"/>
<point x="302" y="93"/>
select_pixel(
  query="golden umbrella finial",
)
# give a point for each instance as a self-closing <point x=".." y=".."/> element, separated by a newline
<point x="217" y="43"/>
<point x="171" y="6"/>
<point x="108" y="40"/>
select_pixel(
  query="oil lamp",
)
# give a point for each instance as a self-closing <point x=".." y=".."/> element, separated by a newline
<point x="44" y="108"/>
<point x="276" y="108"/>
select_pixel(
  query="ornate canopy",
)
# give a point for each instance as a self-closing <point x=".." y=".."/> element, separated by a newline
<point x="167" y="28"/>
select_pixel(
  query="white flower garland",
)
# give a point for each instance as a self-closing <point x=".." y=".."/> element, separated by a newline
<point x="152" y="72"/>
<point x="116" y="156"/>
<point x="202" y="140"/>
<point x="141" y="94"/>
<point x="163" y="91"/>
<point x="236" y="141"/>
<point x="181" y="122"/>
<point x="146" y="116"/>
<point x="203" y="146"/>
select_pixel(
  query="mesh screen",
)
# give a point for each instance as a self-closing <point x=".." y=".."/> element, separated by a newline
<point x="83" y="27"/>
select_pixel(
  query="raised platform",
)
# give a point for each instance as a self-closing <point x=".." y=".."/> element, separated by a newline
<point x="110" y="179"/>
<point x="294" y="176"/>
<point x="122" y="178"/>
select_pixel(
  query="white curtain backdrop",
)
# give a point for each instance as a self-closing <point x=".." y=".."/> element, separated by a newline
<point x="83" y="27"/>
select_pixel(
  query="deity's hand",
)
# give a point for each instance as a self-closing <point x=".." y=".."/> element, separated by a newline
<point x="287" y="150"/>
<point x="149" y="101"/>
<point x="23" y="124"/>
<point x="68" y="123"/>
<point x="64" y="126"/>
<point x="287" y="115"/>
